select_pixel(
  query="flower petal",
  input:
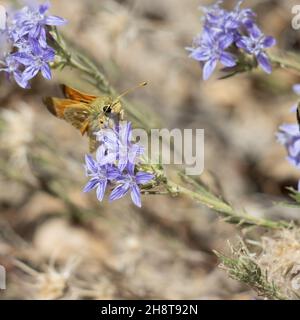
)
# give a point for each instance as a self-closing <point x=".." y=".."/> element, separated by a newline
<point x="23" y="58"/>
<point x="264" y="62"/>
<point x="46" y="72"/>
<point x="296" y="88"/>
<point x="294" y="108"/>
<point x="136" y="195"/>
<point x="226" y="41"/>
<point x="30" y="72"/>
<point x="199" y="54"/>
<point x="255" y="32"/>
<point x="269" y="42"/>
<point x="209" y="68"/>
<point x="227" y="59"/>
<point x="243" y="43"/>
<point x="101" y="190"/>
<point x="44" y="7"/>
<point x="90" y="164"/>
<point x="54" y="21"/>
<point x="119" y="192"/>
<point x="144" y="177"/>
<point x="91" y="185"/>
<point x="23" y="83"/>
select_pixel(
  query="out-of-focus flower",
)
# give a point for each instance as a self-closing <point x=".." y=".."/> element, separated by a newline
<point x="11" y="66"/>
<point x="289" y="136"/>
<point x="219" y="20"/>
<point x="116" y="164"/>
<point x="211" y="50"/>
<point x="36" y="61"/>
<point x="256" y="44"/>
<point x="32" y="20"/>
<point x="224" y="31"/>
<point x="29" y="53"/>
<point x="296" y="89"/>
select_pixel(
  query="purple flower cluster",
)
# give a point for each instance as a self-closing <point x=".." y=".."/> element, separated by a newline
<point x="26" y="36"/>
<point x="289" y="136"/>
<point x="116" y="164"/>
<point x="226" y="31"/>
<point x="296" y="89"/>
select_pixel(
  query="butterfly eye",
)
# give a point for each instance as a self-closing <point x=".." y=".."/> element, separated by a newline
<point x="107" y="109"/>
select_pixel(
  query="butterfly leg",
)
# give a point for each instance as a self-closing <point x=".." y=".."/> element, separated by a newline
<point x="122" y="115"/>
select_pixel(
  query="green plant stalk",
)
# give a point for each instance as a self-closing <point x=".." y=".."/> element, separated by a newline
<point x="285" y="61"/>
<point x="230" y="214"/>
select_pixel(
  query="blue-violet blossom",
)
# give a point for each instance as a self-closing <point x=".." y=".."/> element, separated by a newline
<point x="225" y="31"/>
<point x="289" y="136"/>
<point x="116" y="164"/>
<point x="26" y="33"/>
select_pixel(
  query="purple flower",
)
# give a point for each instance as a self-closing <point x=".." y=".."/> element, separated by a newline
<point x="108" y="137"/>
<point x="256" y="44"/>
<point x="130" y="182"/>
<point x="224" y="31"/>
<point x="289" y="136"/>
<point x="115" y="164"/>
<point x="240" y="18"/>
<point x="118" y="146"/>
<point x="296" y="89"/>
<point x="218" y="20"/>
<point x="23" y="45"/>
<point x="214" y="17"/>
<point x="100" y="175"/>
<point x="37" y="61"/>
<point x="128" y="152"/>
<point x="12" y="69"/>
<point x="212" y="50"/>
<point x="31" y="21"/>
<point x="29" y="53"/>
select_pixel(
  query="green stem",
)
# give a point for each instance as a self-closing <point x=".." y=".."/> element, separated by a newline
<point x="286" y="61"/>
<point x="100" y="81"/>
<point x="231" y="216"/>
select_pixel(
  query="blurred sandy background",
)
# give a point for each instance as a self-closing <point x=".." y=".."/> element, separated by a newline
<point x="58" y="243"/>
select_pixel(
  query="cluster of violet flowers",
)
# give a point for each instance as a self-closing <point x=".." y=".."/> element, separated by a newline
<point x="24" y="38"/>
<point x="289" y="136"/>
<point x="228" y="34"/>
<point x="117" y="165"/>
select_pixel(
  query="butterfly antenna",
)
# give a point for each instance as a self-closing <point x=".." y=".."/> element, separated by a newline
<point x="143" y="84"/>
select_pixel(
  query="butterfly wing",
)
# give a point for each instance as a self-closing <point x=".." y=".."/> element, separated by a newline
<point x="75" y="113"/>
<point x="58" y="106"/>
<point x="76" y="95"/>
<point x="92" y="143"/>
<point x="78" y="117"/>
